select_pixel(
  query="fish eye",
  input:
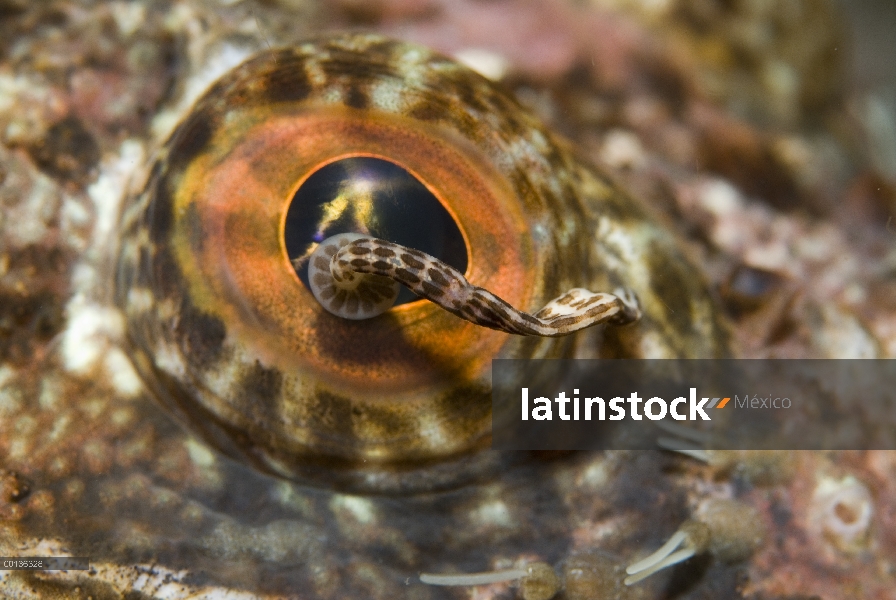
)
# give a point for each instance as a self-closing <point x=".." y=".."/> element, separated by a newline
<point x="445" y="185"/>
<point x="285" y="152"/>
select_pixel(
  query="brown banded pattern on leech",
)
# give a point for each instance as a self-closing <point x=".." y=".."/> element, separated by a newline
<point x="350" y="275"/>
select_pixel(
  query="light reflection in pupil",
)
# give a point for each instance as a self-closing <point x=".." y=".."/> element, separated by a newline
<point x="375" y="197"/>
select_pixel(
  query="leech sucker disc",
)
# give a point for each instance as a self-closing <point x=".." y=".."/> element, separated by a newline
<point x="356" y="277"/>
<point x="344" y="292"/>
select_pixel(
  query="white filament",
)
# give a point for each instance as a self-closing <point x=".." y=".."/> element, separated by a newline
<point x="685" y="448"/>
<point x="672" y="559"/>
<point x="467" y="579"/>
<point x="665" y="550"/>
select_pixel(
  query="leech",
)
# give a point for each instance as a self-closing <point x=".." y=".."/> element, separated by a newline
<point x="357" y="277"/>
<point x="690" y="539"/>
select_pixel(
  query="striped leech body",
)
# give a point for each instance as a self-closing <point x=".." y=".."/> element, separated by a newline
<point x="456" y="190"/>
<point x="357" y="277"/>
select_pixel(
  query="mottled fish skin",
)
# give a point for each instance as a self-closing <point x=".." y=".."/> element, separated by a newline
<point x="229" y="341"/>
<point x="92" y="465"/>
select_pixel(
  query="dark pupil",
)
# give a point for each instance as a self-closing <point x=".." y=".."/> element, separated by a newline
<point x="370" y="196"/>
